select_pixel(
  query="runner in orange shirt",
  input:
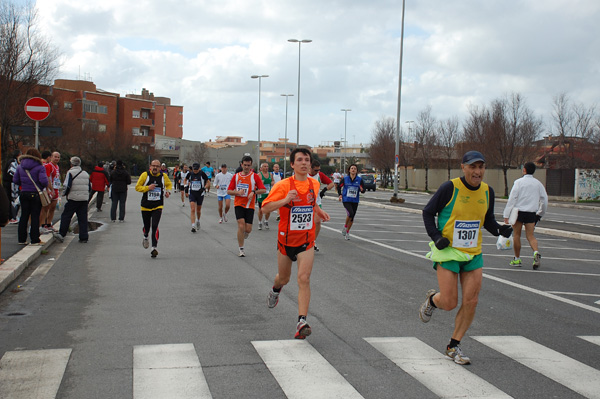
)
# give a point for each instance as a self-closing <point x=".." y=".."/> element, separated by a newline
<point x="295" y="197"/>
<point x="245" y="185"/>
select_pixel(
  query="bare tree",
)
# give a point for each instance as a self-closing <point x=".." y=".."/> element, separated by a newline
<point x="449" y="136"/>
<point x="197" y="153"/>
<point x="426" y="140"/>
<point x="573" y="124"/>
<point x="382" y="147"/>
<point x="28" y="61"/>
<point x="476" y="128"/>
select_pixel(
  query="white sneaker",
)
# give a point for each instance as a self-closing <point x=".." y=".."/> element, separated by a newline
<point x="198" y="224"/>
<point x="225" y="217"/>
<point x="260" y="225"/>
<point x="347" y="235"/>
<point x="145" y="243"/>
<point x="220" y="220"/>
<point x="242" y="253"/>
<point x="344" y="231"/>
<point x="266" y="225"/>
<point x="183" y="204"/>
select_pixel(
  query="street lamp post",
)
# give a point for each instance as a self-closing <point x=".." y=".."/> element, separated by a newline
<point x="298" y="113"/>
<point x="259" y="77"/>
<point x="287" y="96"/>
<point x="345" y="141"/>
<point x="397" y="146"/>
<point x="410" y="138"/>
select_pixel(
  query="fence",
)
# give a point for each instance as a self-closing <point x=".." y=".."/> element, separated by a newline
<point x="587" y="184"/>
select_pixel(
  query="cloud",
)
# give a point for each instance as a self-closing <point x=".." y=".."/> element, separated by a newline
<point x="201" y="54"/>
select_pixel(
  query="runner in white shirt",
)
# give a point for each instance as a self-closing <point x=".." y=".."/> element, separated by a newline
<point x="337" y="176"/>
<point x="277" y="177"/>
<point x="222" y="180"/>
<point x="184" y="187"/>
<point x="528" y="196"/>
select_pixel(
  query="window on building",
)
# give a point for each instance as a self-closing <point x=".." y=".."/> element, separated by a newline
<point x="135" y="131"/>
<point x="68" y="105"/>
<point x="102" y="128"/>
<point x="145" y="114"/>
<point x="135" y="113"/>
<point x="102" y="109"/>
<point x="144" y="131"/>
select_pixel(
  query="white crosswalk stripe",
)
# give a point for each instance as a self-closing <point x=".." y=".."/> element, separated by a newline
<point x="432" y="369"/>
<point x="168" y="371"/>
<point x="32" y="374"/>
<point x="593" y="340"/>
<point x="174" y="370"/>
<point x="302" y="372"/>
<point x="575" y="375"/>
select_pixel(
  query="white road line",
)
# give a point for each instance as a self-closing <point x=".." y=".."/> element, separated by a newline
<point x="302" y="372"/>
<point x="432" y="369"/>
<point x="569" y="372"/>
<point x="592" y="339"/>
<point x="498" y="279"/>
<point x="168" y="372"/>
<point x="572" y="293"/>
<point x="545" y="258"/>
<point x="32" y="374"/>
<point x="597" y="302"/>
<point x="520" y="270"/>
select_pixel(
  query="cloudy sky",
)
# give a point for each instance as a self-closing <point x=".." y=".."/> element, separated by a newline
<point x="201" y="54"/>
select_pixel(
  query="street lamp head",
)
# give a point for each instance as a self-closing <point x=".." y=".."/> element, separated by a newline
<point x="293" y="40"/>
<point x="345" y="110"/>
<point x="259" y="76"/>
<point x="299" y="41"/>
<point x="287" y="95"/>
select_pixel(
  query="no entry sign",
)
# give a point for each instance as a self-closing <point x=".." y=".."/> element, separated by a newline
<point x="37" y="108"/>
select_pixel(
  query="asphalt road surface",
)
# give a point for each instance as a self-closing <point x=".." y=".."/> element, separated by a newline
<point x="104" y="320"/>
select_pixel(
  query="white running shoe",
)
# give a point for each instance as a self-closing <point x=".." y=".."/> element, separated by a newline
<point x="266" y="225"/>
<point x="242" y="253"/>
<point x="220" y="220"/>
<point x="225" y="217"/>
<point x="145" y="243"/>
<point x="347" y="235"/>
<point x="197" y="224"/>
<point x="260" y="225"/>
<point x="344" y="231"/>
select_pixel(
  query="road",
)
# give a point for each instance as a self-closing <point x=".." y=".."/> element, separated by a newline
<point x="104" y="320"/>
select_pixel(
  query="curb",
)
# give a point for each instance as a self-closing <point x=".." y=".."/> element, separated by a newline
<point x="12" y="267"/>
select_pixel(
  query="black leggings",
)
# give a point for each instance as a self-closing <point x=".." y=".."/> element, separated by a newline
<point x="351" y="208"/>
<point x="152" y="217"/>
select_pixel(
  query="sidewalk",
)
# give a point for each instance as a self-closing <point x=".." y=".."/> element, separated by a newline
<point x="18" y="257"/>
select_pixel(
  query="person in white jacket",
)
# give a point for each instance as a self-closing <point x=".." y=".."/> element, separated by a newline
<point x="528" y="196"/>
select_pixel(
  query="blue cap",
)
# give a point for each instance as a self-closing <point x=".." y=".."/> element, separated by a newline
<point x="472" y="157"/>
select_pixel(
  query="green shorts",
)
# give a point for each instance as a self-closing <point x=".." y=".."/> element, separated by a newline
<point x="457" y="267"/>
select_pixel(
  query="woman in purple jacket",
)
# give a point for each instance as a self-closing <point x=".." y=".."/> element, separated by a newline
<point x="31" y="205"/>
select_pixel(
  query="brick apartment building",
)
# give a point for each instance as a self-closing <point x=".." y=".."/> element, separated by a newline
<point x="90" y="116"/>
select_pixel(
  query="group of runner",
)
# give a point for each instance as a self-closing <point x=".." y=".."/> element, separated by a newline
<point x="297" y="200"/>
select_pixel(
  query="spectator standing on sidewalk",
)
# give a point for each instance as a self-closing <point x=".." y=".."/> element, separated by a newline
<point x="29" y="174"/>
<point x="11" y="189"/>
<point x="77" y="189"/>
<point x="529" y="197"/>
<point x="54" y="184"/>
<point x="99" y="179"/>
<point x="119" y="180"/>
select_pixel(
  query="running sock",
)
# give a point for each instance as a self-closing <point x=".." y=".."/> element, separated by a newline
<point x="301" y="317"/>
<point x="277" y="289"/>
<point x="431" y="302"/>
<point x="453" y="343"/>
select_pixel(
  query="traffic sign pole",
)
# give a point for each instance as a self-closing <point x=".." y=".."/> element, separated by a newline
<point x="37" y="109"/>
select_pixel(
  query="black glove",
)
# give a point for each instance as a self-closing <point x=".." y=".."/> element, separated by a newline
<point x="537" y="219"/>
<point x="505" y="230"/>
<point x="442" y="243"/>
<point x="323" y="192"/>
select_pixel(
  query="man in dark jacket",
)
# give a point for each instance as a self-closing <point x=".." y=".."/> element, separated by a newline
<point x="99" y="179"/>
<point x="11" y="189"/>
<point x="119" y="180"/>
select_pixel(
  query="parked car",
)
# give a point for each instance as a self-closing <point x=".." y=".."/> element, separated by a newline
<point x="369" y="182"/>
